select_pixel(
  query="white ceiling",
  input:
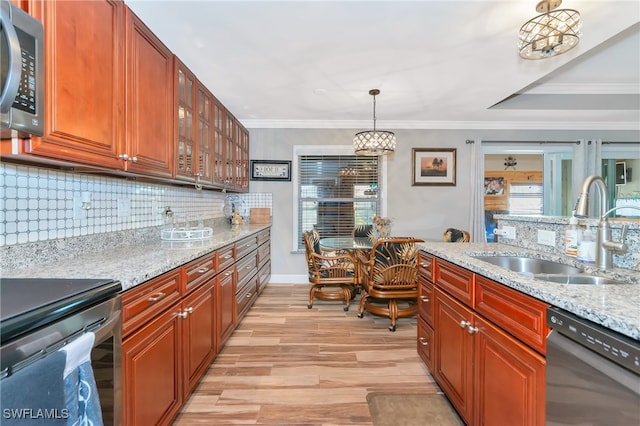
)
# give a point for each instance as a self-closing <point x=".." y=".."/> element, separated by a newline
<point x="438" y="64"/>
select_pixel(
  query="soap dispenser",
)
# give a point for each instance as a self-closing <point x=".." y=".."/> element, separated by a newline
<point x="572" y="237"/>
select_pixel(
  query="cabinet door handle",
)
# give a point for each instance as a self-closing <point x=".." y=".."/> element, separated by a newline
<point x="125" y="157"/>
<point x="158" y="296"/>
<point x="464" y="324"/>
<point x="203" y="269"/>
<point x="248" y="267"/>
<point x="227" y="256"/>
<point x="248" y="295"/>
<point x="424" y="265"/>
<point x="183" y="315"/>
<point x="226" y="274"/>
<point x="423" y="341"/>
<point x="472" y="330"/>
<point x="424" y="299"/>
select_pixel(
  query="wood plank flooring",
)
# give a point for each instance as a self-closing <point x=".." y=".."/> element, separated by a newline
<point x="289" y="365"/>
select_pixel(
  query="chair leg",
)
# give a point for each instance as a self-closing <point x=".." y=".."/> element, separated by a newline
<point x="363" y="302"/>
<point x="347" y="297"/>
<point x="312" y="294"/>
<point x="393" y="313"/>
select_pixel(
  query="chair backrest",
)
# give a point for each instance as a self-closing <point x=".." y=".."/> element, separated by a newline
<point x="453" y="235"/>
<point x="362" y="230"/>
<point x="393" y="263"/>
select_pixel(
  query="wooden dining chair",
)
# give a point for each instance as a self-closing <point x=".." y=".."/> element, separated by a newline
<point x="332" y="275"/>
<point x="391" y="286"/>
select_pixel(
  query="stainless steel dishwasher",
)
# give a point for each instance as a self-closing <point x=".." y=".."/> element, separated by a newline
<point x="593" y="373"/>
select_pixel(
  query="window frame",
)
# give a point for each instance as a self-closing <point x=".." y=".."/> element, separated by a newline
<point x="344" y="150"/>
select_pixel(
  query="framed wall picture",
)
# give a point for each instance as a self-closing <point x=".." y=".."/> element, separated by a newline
<point x="436" y="167"/>
<point x="270" y="170"/>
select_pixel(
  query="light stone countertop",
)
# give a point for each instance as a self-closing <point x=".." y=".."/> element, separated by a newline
<point x="134" y="264"/>
<point x="616" y="307"/>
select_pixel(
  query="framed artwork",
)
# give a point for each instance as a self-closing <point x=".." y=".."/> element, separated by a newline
<point x="493" y="185"/>
<point x="435" y="167"/>
<point x="270" y="170"/>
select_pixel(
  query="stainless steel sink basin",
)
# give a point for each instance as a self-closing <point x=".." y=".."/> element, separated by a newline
<point x="578" y="279"/>
<point x="529" y="265"/>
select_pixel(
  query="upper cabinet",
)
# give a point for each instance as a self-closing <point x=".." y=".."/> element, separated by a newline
<point x="117" y="99"/>
<point x="84" y="90"/>
<point x="149" y="107"/>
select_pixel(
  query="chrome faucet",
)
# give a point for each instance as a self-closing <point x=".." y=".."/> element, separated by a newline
<point x="605" y="247"/>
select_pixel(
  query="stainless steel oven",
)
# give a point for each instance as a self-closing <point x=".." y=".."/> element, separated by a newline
<point x="593" y="374"/>
<point x="41" y="316"/>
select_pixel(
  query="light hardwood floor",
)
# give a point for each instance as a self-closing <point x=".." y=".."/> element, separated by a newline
<point x="289" y="365"/>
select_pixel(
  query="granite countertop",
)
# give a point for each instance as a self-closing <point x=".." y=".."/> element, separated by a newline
<point x="135" y="264"/>
<point x="616" y="307"/>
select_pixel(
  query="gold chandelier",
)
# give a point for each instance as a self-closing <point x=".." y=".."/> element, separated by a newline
<point x="552" y="33"/>
<point x="374" y="142"/>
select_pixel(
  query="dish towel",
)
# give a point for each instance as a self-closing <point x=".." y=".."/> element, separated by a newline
<point x="80" y="389"/>
<point x="34" y="394"/>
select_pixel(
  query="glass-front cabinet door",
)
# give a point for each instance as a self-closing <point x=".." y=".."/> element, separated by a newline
<point x="185" y="136"/>
<point x="219" y="142"/>
<point x="205" y="136"/>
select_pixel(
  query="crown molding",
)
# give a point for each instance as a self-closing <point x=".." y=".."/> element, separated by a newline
<point x="441" y="125"/>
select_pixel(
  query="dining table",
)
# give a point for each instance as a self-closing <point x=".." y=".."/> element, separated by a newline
<point x="357" y="247"/>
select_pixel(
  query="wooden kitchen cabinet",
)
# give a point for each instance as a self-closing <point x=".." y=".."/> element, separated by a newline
<point x="111" y="110"/>
<point x="84" y="91"/>
<point x="199" y="334"/>
<point x="484" y="345"/>
<point x="225" y="307"/>
<point x="151" y="364"/>
<point x="194" y="127"/>
<point x="148" y="148"/>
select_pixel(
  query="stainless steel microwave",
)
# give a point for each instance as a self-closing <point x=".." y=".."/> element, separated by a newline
<point x="22" y="69"/>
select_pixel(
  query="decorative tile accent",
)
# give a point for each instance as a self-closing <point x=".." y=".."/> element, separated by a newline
<point x="40" y="204"/>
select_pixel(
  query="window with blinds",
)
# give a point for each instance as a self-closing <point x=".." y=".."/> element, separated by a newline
<point x="336" y="193"/>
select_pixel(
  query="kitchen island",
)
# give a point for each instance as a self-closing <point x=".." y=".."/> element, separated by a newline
<point x="616" y="307"/>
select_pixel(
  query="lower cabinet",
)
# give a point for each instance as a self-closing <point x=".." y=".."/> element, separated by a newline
<point x="175" y="324"/>
<point x="484" y="363"/>
<point x="225" y="306"/>
<point x="151" y="360"/>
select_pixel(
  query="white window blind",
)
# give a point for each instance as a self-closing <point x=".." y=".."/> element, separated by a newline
<point x="336" y="193"/>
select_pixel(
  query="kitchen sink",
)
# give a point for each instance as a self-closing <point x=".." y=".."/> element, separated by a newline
<point x="578" y="279"/>
<point x="530" y="265"/>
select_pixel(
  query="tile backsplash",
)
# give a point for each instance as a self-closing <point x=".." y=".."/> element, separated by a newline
<point x="40" y="204"/>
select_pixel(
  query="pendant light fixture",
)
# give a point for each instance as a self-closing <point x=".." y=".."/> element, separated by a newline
<point x="374" y="142"/>
<point x="552" y="33"/>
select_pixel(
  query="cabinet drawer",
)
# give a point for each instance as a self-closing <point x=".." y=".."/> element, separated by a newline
<point x="245" y="246"/>
<point x="246" y="267"/>
<point x="522" y="316"/>
<point x="425" y="301"/>
<point x="264" y="275"/>
<point x="245" y="296"/>
<point x="264" y="254"/>
<point x="225" y="257"/>
<point x="455" y="280"/>
<point x="141" y="304"/>
<point x="425" y="265"/>
<point x="263" y="236"/>
<point x="198" y="272"/>
<point x="425" y="343"/>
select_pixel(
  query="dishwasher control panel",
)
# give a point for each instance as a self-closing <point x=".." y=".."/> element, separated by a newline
<point x="620" y="349"/>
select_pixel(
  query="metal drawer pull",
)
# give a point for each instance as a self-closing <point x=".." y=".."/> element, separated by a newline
<point x="227" y="256"/>
<point x="203" y="269"/>
<point x="424" y="341"/>
<point x="424" y="265"/>
<point x="248" y="295"/>
<point x="185" y="313"/>
<point x="424" y="299"/>
<point x="158" y="296"/>
<point x="472" y="330"/>
<point x="227" y="274"/>
<point x="464" y="324"/>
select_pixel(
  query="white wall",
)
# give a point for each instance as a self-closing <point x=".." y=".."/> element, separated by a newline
<point x="421" y="211"/>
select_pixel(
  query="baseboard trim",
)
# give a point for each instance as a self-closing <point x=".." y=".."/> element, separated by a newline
<point x="288" y="279"/>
